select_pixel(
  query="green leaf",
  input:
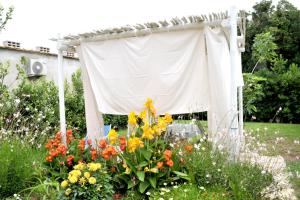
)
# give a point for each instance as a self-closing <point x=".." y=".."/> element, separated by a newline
<point x="143" y="186"/>
<point x="130" y="184"/>
<point x="152" y="181"/>
<point x="141" y="175"/>
<point x="146" y="154"/>
<point x="143" y="164"/>
<point x="180" y="173"/>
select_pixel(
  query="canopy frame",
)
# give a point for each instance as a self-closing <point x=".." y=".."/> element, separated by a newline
<point x="232" y="22"/>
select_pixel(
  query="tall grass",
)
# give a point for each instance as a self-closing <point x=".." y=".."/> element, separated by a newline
<point x="17" y="166"/>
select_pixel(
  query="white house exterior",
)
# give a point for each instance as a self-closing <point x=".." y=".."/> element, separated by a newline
<point x="14" y="55"/>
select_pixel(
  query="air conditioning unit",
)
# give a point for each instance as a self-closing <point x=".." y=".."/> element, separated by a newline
<point x="36" y="68"/>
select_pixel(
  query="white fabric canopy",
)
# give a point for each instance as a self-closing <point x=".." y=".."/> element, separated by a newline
<point x="182" y="71"/>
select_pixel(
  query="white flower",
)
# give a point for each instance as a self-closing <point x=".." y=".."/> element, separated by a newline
<point x="148" y="193"/>
<point x="185" y="190"/>
<point x="214" y="163"/>
<point x="165" y="184"/>
<point x="203" y="148"/>
<point x="201" y="188"/>
<point x="219" y="170"/>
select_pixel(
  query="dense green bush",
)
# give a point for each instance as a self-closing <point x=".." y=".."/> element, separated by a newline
<point x="17" y="161"/>
<point x="273" y="94"/>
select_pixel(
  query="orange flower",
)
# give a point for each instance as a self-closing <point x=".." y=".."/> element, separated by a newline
<point x="189" y="148"/>
<point x="102" y="143"/>
<point x="122" y="140"/>
<point x="113" y="169"/>
<point x="69" y="136"/>
<point x="108" y="152"/>
<point x="89" y="142"/>
<point x="160" y="165"/>
<point x="49" y="144"/>
<point x="49" y="159"/>
<point x="168" y="154"/>
<point x="81" y="145"/>
<point x="53" y="153"/>
<point x="94" y="154"/>
<point x="170" y="163"/>
<point x="62" y="149"/>
<point x="70" y="159"/>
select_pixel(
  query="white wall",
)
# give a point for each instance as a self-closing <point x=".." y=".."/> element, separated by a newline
<point x="70" y="65"/>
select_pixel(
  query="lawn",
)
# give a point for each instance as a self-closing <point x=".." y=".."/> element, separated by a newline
<point x="285" y="140"/>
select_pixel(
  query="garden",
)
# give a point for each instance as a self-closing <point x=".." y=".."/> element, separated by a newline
<point x="137" y="159"/>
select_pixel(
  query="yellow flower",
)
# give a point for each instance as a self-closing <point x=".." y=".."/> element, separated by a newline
<point x="134" y="143"/>
<point x="128" y="170"/>
<point x="149" y="103"/>
<point x="154" y="170"/>
<point x="162" y="125"/>
<point x="68" y="191"/>
<point x="87" y="174"/>
<point x="132" y="119"/>
<point x="148" y="132"/>
<point x="112" y="136"/>
<point x="143" y="115"/>
<point x="79" y="166"/>
<point x="82" y="180"/>
<point x="94" y="166"/>
<point x="75" y="173"/>
<point x="92" y="180"/>
<point x="146" y="169"/>
<point x="168" y="118"/>
<point x="73" y="179"/>
<point x="64" y="184"/>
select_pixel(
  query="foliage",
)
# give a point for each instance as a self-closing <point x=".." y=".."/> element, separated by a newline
<point x="87" y="181"/>
<point x="119" y="121"/>
<point x="5" y="16"/>
<point x="264" y="48"/>
<point x="74" y="103"/>
<point x="148" y="160"/>
<point x="281" y="94"/>
<point x="283" y="21"/>
<point x="252" y="92"/>
<point x="17" y="160"/>
<point x="239" y="180"/>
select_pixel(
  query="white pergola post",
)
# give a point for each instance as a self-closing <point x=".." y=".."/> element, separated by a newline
<point x="60" y="75"/>
<point x="236" y="126"/>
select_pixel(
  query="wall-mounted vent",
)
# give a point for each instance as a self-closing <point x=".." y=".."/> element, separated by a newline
<point x="43" y="49"/>
<point x="12" y="44"/>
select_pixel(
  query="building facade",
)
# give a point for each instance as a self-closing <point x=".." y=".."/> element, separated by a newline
<point x="13" y="53"/>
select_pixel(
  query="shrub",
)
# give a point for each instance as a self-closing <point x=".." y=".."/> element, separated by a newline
<point x="212" y="169"/>
<point x="87" y="181"/>
<point x="17" y="162"/>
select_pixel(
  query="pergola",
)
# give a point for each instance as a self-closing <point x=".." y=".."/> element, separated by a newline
<point x="229" y="25"/>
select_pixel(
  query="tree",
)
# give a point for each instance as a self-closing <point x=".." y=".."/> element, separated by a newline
<point x="5" y="16"/>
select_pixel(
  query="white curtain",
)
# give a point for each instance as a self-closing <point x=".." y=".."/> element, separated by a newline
<point x="182" y="71"/>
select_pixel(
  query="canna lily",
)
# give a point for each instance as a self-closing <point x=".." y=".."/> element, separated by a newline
<point x="112" y="136"/>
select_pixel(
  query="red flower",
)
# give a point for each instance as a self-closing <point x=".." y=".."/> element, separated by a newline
<point x="122" y="140"/>
<point x="168" y="154"/>
<point x="53" y="153"/>
<point x="69" y="136"/>
<point x="62" y="149"/>
<point x="102" y="143"/>
<point x="70" y="159"/>
<point x="170" y="163"/>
